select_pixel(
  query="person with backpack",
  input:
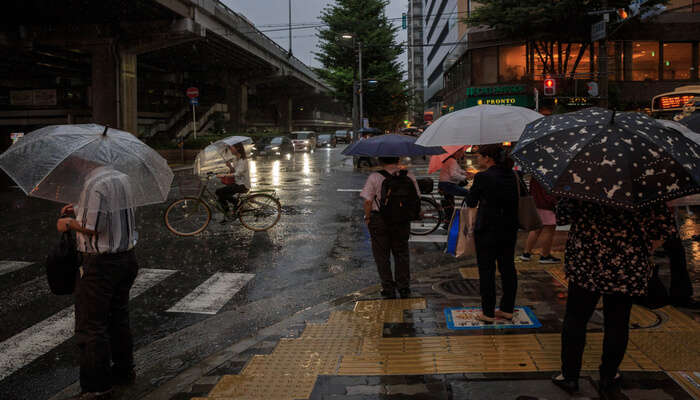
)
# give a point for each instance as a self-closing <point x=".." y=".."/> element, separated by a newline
<point x="391" y="202"/>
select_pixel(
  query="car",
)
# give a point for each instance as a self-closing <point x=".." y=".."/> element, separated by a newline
<point x="327" y="140"/>
<point x="412" y="131"/>
<point x="303" y="140"/>
<point x="278" y="145"/>
<point x="344" y="136"/>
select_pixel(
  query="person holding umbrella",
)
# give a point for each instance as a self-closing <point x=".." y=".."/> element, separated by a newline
<point x="614" y="173"/>
<point x="390" y="202"/>
<point x="495" y="192"/>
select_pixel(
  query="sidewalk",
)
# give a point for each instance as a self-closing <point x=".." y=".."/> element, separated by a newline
<point x="406" y="349"/>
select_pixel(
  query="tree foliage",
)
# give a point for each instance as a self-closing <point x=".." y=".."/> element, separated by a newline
<point x="385" y="102"/>
<point x="551" y="26"/>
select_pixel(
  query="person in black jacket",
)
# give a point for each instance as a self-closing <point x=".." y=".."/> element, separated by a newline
<point x="495" y="192"/>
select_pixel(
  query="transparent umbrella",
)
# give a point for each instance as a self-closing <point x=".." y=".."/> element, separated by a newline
<point x="55" y="162"/>
<point x="213" y="157"/>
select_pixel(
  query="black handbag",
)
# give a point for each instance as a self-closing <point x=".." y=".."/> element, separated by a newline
<point x="657" y="295"/>
<point x="62" y="265"/>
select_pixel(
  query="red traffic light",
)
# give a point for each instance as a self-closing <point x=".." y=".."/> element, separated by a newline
<point x="550" y="87"/>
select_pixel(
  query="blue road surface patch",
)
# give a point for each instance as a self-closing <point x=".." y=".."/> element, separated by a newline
<point x="465" y="318"/>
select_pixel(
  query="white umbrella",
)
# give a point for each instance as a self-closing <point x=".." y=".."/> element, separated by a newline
<point x="483" y="124"/>
<point x="684" y="130"/>
<point x="213" y="157"/>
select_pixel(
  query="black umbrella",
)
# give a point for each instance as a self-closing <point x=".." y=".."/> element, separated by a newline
<point x="625" y="160"/>
<point x="692" y="121"/>
<point x="390" y="146"/>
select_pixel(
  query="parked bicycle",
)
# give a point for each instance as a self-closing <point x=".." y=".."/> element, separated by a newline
<point x="433" y="212"/>
<point x="257" y="210"/>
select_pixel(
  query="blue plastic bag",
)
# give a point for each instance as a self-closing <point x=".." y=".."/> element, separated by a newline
<point x="453" y="234"/>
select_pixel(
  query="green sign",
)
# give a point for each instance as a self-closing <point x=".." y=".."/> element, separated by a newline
<point x="514" y="100"/>
<point x="495" y="90"/>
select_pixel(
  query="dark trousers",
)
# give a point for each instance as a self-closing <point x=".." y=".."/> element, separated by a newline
<point x="102" y="325"/>
<point x="496" y="248"/>
<point x="226" y="194"/>
<point x="580" y="305"/>
<point x="386" y="240"/>
<point x="450" y="190"/>
<point x="681" y="287"/>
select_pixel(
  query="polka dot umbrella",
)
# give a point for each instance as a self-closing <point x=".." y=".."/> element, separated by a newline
<point x="625" y="160"/>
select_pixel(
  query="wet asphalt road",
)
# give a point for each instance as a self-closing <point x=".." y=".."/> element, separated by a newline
<point x="319" y="251"/>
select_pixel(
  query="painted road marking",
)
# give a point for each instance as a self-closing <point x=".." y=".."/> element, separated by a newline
<point x="349" y="190"/>
<point x="9" y="266"/>
<point x="39" y="339"/>
<point x="210" y="296"/>
<point x="428" y="239"/>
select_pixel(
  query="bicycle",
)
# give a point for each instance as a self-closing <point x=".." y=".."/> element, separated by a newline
<point x="257" y="210"/>
<point x="432" y="212"/>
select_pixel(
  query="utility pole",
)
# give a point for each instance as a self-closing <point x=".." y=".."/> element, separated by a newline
<point x="290" y="28"/>
<point x="362" y="123"/>
<point x="603" y="63"/>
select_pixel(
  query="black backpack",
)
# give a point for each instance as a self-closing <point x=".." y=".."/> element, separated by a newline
<point x="399" y="202"/>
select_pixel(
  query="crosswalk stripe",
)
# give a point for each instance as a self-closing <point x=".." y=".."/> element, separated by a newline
<point x="37" y="340"/>
<point x="212" y="294"/>
<point x="349" y="190"/>
<point x="428" y="239"/>
<point x="9" y="266"/>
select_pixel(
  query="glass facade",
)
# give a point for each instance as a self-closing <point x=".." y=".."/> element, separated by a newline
<point x="677" y="60"/>
<point x="644" y="63"/>
<point x="485" y="66"/>
<point x="512" y="63"/>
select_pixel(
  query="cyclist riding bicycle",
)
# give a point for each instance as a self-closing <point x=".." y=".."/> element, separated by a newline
<point x="236" y="181"/>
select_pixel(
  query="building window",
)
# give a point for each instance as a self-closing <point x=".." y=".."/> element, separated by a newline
<point x="485" y="66"/>
<point x="614" y="60"/>
<point x="584" y="64"/>
<point x="645" y="61"/>
<point x="512" y="62"/>
<point x="677" y="60"/>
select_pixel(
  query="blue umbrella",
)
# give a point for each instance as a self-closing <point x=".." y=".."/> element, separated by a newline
<point x="390" y="146"/>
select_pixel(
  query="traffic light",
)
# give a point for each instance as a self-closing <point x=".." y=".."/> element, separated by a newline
<point x="550" y="87"/>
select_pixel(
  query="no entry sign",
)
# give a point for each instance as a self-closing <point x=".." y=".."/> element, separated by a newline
<point x="192" y="92"/>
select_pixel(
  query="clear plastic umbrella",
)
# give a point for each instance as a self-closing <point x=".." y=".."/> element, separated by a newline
<point x="213" y="157"/>
<point x="55" y="162"/>
<point x="483" y="124"/>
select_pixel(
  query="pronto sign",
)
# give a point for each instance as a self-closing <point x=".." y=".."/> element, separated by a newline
<point x="192" y="92"/>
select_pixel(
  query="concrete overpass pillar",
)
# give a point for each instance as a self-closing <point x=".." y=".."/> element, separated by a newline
<point x="285" y="112"/>
<point x="237" y="100"/>
<point x="114" y="90"/>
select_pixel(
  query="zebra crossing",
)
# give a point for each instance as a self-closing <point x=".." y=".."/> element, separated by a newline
<point x="24" y="347"/>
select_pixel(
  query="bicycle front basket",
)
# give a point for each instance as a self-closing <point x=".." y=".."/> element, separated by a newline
<point x="189" y="185"/>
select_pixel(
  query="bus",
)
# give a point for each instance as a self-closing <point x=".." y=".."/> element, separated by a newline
<point x="674" y="101"/>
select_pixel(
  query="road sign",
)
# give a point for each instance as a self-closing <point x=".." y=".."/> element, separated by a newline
<point x="192" y="92"/>
<point x="194" y="101"/>
<point x="592" y="89"/>
<point x="598" y="31"/>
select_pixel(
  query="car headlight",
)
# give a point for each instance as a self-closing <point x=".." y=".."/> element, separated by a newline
<point x="274" y="148"/>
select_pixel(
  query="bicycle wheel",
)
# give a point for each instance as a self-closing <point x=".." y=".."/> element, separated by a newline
<point x="259" y="212"/>
<point x="431" y="216"/>
<point x="187" y="217"/>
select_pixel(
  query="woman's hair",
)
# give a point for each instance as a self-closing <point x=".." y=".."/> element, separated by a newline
<point x="497" y="153"/>
<point x="241" y="150"/>
<point x="388" y="160"/>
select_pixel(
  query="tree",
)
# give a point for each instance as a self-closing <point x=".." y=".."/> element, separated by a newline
<point x="551" y="26"/>
<point x="385" y="102"/>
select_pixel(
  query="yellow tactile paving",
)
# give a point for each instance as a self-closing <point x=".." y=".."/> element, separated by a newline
<point x="351" y="343"/>
<point x="689" y="380"/>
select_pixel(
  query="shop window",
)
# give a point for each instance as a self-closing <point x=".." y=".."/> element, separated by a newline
<point x="645" y="61"/>
<point x="584" y="64"/>
<point x="677" y="60"/>
<point x="512" y="62"/>
<point x="485" y="66"/>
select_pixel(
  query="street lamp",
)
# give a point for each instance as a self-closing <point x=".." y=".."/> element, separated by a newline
<point x="350" y="36"/>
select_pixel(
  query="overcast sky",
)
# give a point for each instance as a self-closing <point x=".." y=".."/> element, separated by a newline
<point x="271" y="16"/>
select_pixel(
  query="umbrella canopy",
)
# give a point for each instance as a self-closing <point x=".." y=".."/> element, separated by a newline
<point x="624" y="160"/>
<point x="54" y="162"/>
<point x="692" y="121"/>
<point x="437" y="161"/>
<point x="483" y="124"/>
<point x="695" y="137"/>
<point x="213" y="157"/>
<point x="390" y="146"/>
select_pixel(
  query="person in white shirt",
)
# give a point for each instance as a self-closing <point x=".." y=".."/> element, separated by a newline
<point x="236" y="181"/>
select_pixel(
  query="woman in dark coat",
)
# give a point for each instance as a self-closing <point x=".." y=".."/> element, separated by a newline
<point x="495" y="192"/>
<point x="607" y="254"/>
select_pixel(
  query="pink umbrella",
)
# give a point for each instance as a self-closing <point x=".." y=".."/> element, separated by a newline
<point x="436" y="161"/>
